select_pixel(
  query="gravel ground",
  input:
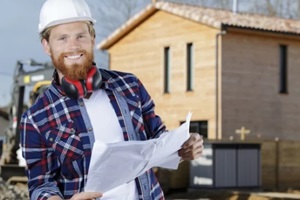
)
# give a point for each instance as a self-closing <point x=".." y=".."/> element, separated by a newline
<point x="13" y="192"/>
<point x="19" y="191"/>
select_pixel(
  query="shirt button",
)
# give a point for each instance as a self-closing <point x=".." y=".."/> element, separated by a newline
<point x="90" y="129"/>
<point x="51" y="139"/>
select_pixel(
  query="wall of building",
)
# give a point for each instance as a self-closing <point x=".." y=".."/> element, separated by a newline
<point x="280" y="164"/>
<point x="142" y="52"/>
<point x="250" y="85"/>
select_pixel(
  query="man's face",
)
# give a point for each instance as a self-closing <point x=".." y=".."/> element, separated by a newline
<point x="71" y="49"/>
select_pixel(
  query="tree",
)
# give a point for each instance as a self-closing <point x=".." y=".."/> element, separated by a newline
<point x="110" y="15"/>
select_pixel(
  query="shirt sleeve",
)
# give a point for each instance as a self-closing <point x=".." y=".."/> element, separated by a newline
<point x="41" y="164"/>
<point x="152" y="122"/>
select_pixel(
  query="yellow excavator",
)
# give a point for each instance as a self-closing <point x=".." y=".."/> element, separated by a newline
<point x="38" y="89"/>
<point x="31" y="78"/>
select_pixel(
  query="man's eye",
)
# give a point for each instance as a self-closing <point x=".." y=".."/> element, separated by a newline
<point x="62" y="38"/>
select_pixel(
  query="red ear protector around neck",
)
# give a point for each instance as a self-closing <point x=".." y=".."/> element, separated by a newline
<point x="77" y="89"/>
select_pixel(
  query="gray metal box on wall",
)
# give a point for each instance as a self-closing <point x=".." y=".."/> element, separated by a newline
<point x="227" y="165"/>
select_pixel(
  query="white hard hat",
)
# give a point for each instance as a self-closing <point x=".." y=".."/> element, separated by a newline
<point x="55" y="12"/>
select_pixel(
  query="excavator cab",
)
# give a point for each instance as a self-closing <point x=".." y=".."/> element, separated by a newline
<point x="38" y="89"/>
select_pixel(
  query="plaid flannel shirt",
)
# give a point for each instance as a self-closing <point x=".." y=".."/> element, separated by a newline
<point x="57" y="136"/>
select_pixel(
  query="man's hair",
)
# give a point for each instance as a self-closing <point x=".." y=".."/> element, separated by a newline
<point x="46" y="33"/>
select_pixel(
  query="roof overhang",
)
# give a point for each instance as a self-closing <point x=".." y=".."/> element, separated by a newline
<point x="215" y="18"/>
<point x="131" y="24"/>
<point x="228" y="27"/>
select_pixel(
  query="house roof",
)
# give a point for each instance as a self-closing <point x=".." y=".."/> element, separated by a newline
<point x="212" y="17"/>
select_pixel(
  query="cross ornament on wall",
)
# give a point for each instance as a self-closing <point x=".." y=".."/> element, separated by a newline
<point x="243" y="131"/>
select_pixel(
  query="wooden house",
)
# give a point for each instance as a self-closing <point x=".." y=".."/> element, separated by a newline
<point x="231" y="70"/>
<point x="238" y="74"/>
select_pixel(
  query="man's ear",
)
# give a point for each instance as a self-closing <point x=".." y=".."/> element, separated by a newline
<point x="46" y="46"/>
<point x="93" y="41"/>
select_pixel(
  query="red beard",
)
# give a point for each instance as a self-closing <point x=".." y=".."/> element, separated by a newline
<point x="75" y="71"/>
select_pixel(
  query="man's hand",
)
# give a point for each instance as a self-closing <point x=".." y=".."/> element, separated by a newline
<point x="192" y="148"/>
<point x="86" y="196"/>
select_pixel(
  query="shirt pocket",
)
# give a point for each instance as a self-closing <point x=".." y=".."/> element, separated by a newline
<point x="68" y="149"/>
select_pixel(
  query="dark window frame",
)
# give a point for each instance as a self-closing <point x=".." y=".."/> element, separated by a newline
<point x="200" y="127"/>
<point x="189" y="65"/>
<point x="167" y="69"/>
<point x="283" y="69"/>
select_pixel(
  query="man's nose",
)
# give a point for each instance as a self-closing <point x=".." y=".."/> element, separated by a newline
<point x="74" y="44"/>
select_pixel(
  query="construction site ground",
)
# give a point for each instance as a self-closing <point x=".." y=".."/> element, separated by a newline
<point x="198" y="194"/>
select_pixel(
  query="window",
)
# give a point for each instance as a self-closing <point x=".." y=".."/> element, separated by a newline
<point x="200" y="127"/>
<point x="166" y="69"/>
<point x="189" y="65"/>
<point x="283" y="77"/>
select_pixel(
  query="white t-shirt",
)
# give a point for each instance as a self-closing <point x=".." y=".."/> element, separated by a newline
<point x="107" y="129"/>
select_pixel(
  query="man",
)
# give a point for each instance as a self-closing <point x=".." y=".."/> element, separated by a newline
<point x="84" y="104"/>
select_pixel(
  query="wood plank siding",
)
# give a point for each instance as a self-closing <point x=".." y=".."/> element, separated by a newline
<point x="250" y="85"/>
<point x="141" y="52"/>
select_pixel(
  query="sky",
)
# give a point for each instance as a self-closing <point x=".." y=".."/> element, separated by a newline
<point x="19" y="40"/>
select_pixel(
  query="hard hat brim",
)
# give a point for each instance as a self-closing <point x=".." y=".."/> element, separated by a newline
<point x="65" y="21"/>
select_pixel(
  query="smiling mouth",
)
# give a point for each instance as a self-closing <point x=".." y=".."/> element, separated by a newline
<point x="73" y="57"/>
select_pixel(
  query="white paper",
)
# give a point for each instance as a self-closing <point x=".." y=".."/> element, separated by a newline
<point x="114" y="164"/>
